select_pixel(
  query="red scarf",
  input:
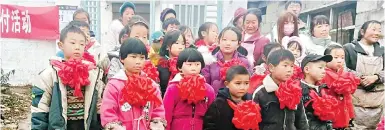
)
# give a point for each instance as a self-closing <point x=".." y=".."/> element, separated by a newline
<point x="138" y="90"/>
<point x="192" y="89"/>
<point x="247" y="115"/>
<point x="74" y="73"/>
<point x="224" y="66"/>
<point x="289" y="94"/>
<point x="324" y="107"/>
<point x="202" y="43"/>
<point x="151" y="71"/>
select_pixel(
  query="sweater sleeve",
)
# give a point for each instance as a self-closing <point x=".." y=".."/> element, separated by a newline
<point x="110" y="105"/>
<point x="210" y="118"/>
<point x="301" y="122"/>
<point x="169" y="104"/>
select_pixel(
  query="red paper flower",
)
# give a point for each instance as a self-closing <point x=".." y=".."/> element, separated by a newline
<point x="381" y="125"/>
<point x="255" y="81"/>
<point x="151" y="71"/>
<point x="247" y="115"/>
<point x="289" y="94"/>
<point x="192" y="88"/>
<point x="325" y="107"/>
<point x="297" y="73"/>
<point x="88" y="57"/>
<point x="138" y="91"/>
<point x="341" y="82"/>
<point x="172" y="67"/>
<point x="74" y="73"/>
<point x="225" y="66"/>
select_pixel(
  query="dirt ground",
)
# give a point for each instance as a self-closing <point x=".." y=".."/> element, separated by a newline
<point x="15" y="108"/>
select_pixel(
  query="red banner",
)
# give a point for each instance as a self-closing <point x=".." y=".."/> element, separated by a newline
<point x="41" y="23"/>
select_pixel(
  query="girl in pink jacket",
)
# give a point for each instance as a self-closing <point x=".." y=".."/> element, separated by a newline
<point x="132" y="101"/>
<point x="188" y="96"/>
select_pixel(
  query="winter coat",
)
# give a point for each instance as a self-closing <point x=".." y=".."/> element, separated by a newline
<point x="274" y="118"/>
<point x="315" y="45"/>
<point x="219" y="116"/>
<point x="254" y="46"/>
<point x="164" y="74"/>
<point x="240" y="49"/>
<point x="183" y="116"/>
<point x="115" y="63"/>
<point x="112" y="37"/>
<point x="49" y="102"/>
<point x="212" y="71"/>
<point x="112" y="111"/>
<point x="314" y="122"/>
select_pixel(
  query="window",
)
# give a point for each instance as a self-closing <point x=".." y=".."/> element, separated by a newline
<point x="93" y="8"/>
<point x="192" y="16"/>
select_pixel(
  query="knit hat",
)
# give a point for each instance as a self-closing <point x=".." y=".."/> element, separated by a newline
<point x="239" y="13"/>
<point x="165" y="12"/>
<point x="125" y="5"/>
<point x="156" y="36"/>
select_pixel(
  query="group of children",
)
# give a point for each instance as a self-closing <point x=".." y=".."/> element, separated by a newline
<point x="204" y="84"/>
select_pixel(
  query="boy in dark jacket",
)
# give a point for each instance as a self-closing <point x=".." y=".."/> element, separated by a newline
<point x="313" y="67"/>
<point x="280" y="110"/>
<point x="219" y="115"/>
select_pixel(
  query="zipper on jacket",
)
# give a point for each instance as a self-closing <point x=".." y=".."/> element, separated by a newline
<point x="284" y="119"/>
<point x="193" y="116"/>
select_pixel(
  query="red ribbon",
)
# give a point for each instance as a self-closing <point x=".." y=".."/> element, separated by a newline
<point x="341" y="82"/>
<point x="297" y="73"/>
<point x="247" y="115"/>
<point x="74" y="73"/>
<point x="289" y="94"/>
<point x="325" y="107"/>
<point x="151" y="71"/>
<point x="226" y="65"/>
<point x="138" y="91"/>
<point x="192" y="88"/>
<point x="88" y="57"/>
<point x="172" y="67"/>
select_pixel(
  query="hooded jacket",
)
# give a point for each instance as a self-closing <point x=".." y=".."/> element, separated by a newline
<point x="212" y="71"/>
<point x="115" y="64"/>
<point x="315" y="45"/>
<point x="219" y="116"/>
<point x="49" y="102"/>
<point x="274" y="118"/>
<point x="111" y="110"/>
<point x="179" y="114"/>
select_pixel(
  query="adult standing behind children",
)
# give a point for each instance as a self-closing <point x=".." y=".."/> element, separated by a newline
<point x="365" y="57"/>
<point x="287" y="26"/>
<point x="127" y="10"/>
<point x="319" y="39"/>
<point x="252" y="39"/>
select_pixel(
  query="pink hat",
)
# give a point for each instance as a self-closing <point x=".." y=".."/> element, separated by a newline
<point x="239" y="12"/>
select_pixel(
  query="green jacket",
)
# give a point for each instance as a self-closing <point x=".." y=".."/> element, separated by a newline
<point x="49" y="100"/>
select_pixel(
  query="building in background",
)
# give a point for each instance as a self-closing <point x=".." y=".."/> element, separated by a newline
<point x="346" y="17"/>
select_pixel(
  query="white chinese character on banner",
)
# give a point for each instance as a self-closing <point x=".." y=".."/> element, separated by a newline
<point x="15" y="21"/>
<point x="26" y="22"/>
<point x="4" y="20"/>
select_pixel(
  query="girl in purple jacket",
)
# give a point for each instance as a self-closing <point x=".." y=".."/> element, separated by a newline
<point x="229" y="41"/>
<point x="187" y="96"/>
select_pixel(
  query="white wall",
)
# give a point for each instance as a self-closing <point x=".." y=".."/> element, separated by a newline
<point x="229" y="7"/>
<point x="27" y="57"/>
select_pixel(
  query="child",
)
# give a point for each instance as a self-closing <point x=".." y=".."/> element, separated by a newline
<point x="157" y="40"/>
<point x="170" y="24"/>
<point x="294" y="45"/>
<point x="166" y="14"/>
<point x="188" y="34"/>
<point x="62" y="99"/>
<point x="279" y="96"/>
<point x="186" y="102"/>
<point x="93" y="47"/>
<point x="267" y="49"/>
<point x="83" y="15"/>
<point x="207" y="41"/>
<point x="342" y="93"/>
<point x="122" y="107"/>
<point x="229" y="41"/>
<point x="219" y="116"/>
<point x="174" y="42"/>
<point x="313" y="67"/>
<point x="137" y="30"/>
